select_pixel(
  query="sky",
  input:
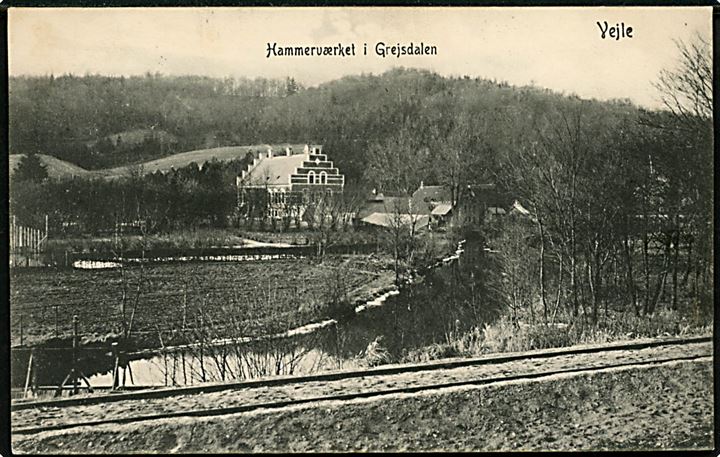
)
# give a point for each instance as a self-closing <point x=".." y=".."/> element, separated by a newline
<point x="557" y="48"/>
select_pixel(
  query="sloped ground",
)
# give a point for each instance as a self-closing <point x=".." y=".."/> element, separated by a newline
<point x="662" y="406"/>
<point x="58" y="168"/>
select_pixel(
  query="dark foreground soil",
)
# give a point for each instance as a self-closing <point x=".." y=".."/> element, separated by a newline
<point x="665" y="406"/>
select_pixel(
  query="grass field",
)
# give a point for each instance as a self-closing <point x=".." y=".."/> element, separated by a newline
<point x="56" y="168"/>
<point x="264" y="296"/>
<point x="61" y="169"/>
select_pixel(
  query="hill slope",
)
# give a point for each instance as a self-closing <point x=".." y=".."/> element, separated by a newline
<point x="58" y="169"/>
<point x="352" y="116"/>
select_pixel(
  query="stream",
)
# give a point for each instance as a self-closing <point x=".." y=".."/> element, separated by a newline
<point x="402" y="324"/>
<point x="445" y="301"/>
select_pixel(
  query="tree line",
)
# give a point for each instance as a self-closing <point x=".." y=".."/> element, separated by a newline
<point x="160" y="202"/>
<point x="621" y="204"/>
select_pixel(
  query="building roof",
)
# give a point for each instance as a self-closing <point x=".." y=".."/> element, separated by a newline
<point x="389" y="219"/>
<point x="427" y="194"/>
<point x="441" y="209"/>
<point x="380" y="204"/>
<point x="274" y="171"/>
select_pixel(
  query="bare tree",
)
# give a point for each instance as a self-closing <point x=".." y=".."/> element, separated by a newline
<point x="404" y="223"/>
<point x="686" y="90"/>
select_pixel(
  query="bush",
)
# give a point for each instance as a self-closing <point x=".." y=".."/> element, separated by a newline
<point x="376" y="354"/>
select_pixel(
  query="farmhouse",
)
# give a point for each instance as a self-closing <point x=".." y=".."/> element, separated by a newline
<point x="435" y="207"/>
<point x="437" y="200"/>
<point x="284" y="182"/>
<point x="389" y="212"/>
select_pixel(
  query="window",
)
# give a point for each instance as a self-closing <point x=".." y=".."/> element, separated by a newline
<point x="311" y="177"/>
<point x="323" y="177"/>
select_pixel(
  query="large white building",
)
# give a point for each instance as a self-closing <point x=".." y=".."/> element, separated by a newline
<point x="284" y="180"/>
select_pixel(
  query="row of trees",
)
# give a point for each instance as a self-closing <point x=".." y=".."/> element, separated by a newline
<point x="621" y="204"/>
<point x="182" y="198"/>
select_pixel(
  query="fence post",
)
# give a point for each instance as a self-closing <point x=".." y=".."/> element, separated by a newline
<point x="12" y="242"/>
<point x="27" y="377"/>
<point x="57" y="324"/>
<point x="21" y="329"/>
<point x="116" y="369"/>
<point x="74" y="356"/>
<point x="202" y="342"/>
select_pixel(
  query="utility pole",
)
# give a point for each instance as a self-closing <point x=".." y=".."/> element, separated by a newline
<point x="74" y="356"/>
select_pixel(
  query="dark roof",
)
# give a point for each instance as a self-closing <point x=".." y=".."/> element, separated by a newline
<point x="489" y="194"/>
<point x="429" y="196"/>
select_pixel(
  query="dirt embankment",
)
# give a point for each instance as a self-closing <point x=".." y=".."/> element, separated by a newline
<point x="667" y="406"/>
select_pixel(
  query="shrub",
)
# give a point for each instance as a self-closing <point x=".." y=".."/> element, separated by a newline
<point x="376" y="354"/>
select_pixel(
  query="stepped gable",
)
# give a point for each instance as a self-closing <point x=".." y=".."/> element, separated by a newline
<point x="291" y="167"/>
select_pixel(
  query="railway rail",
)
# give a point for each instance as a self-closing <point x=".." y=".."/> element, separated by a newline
<point x="33" y="417"/>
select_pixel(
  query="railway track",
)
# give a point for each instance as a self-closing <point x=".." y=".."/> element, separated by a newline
<point x="231" y="398"/>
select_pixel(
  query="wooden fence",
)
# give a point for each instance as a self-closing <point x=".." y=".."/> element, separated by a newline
<point x="27" y="244"/>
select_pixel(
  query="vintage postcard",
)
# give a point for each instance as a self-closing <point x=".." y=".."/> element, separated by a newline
<point x="308" y="229"/>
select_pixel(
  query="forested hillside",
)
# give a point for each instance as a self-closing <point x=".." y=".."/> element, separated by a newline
<point x="100" y="122"/>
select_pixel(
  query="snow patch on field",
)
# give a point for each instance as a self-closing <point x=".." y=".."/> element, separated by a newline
<point x="94" y="265"/>
<point x="214" y="258"/>
<point x="378" y="301"/>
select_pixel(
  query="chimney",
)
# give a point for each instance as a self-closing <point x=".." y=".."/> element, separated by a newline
<point x="421" y="184"/>
<point x="270" y="153"/>
<point x="306" y="151"/>
<point x="288" y="150"/>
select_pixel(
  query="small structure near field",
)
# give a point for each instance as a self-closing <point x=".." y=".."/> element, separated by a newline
<point x="393" y="211"/>
<point x="437" y="200"/>
<point x="437" y="207"/>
